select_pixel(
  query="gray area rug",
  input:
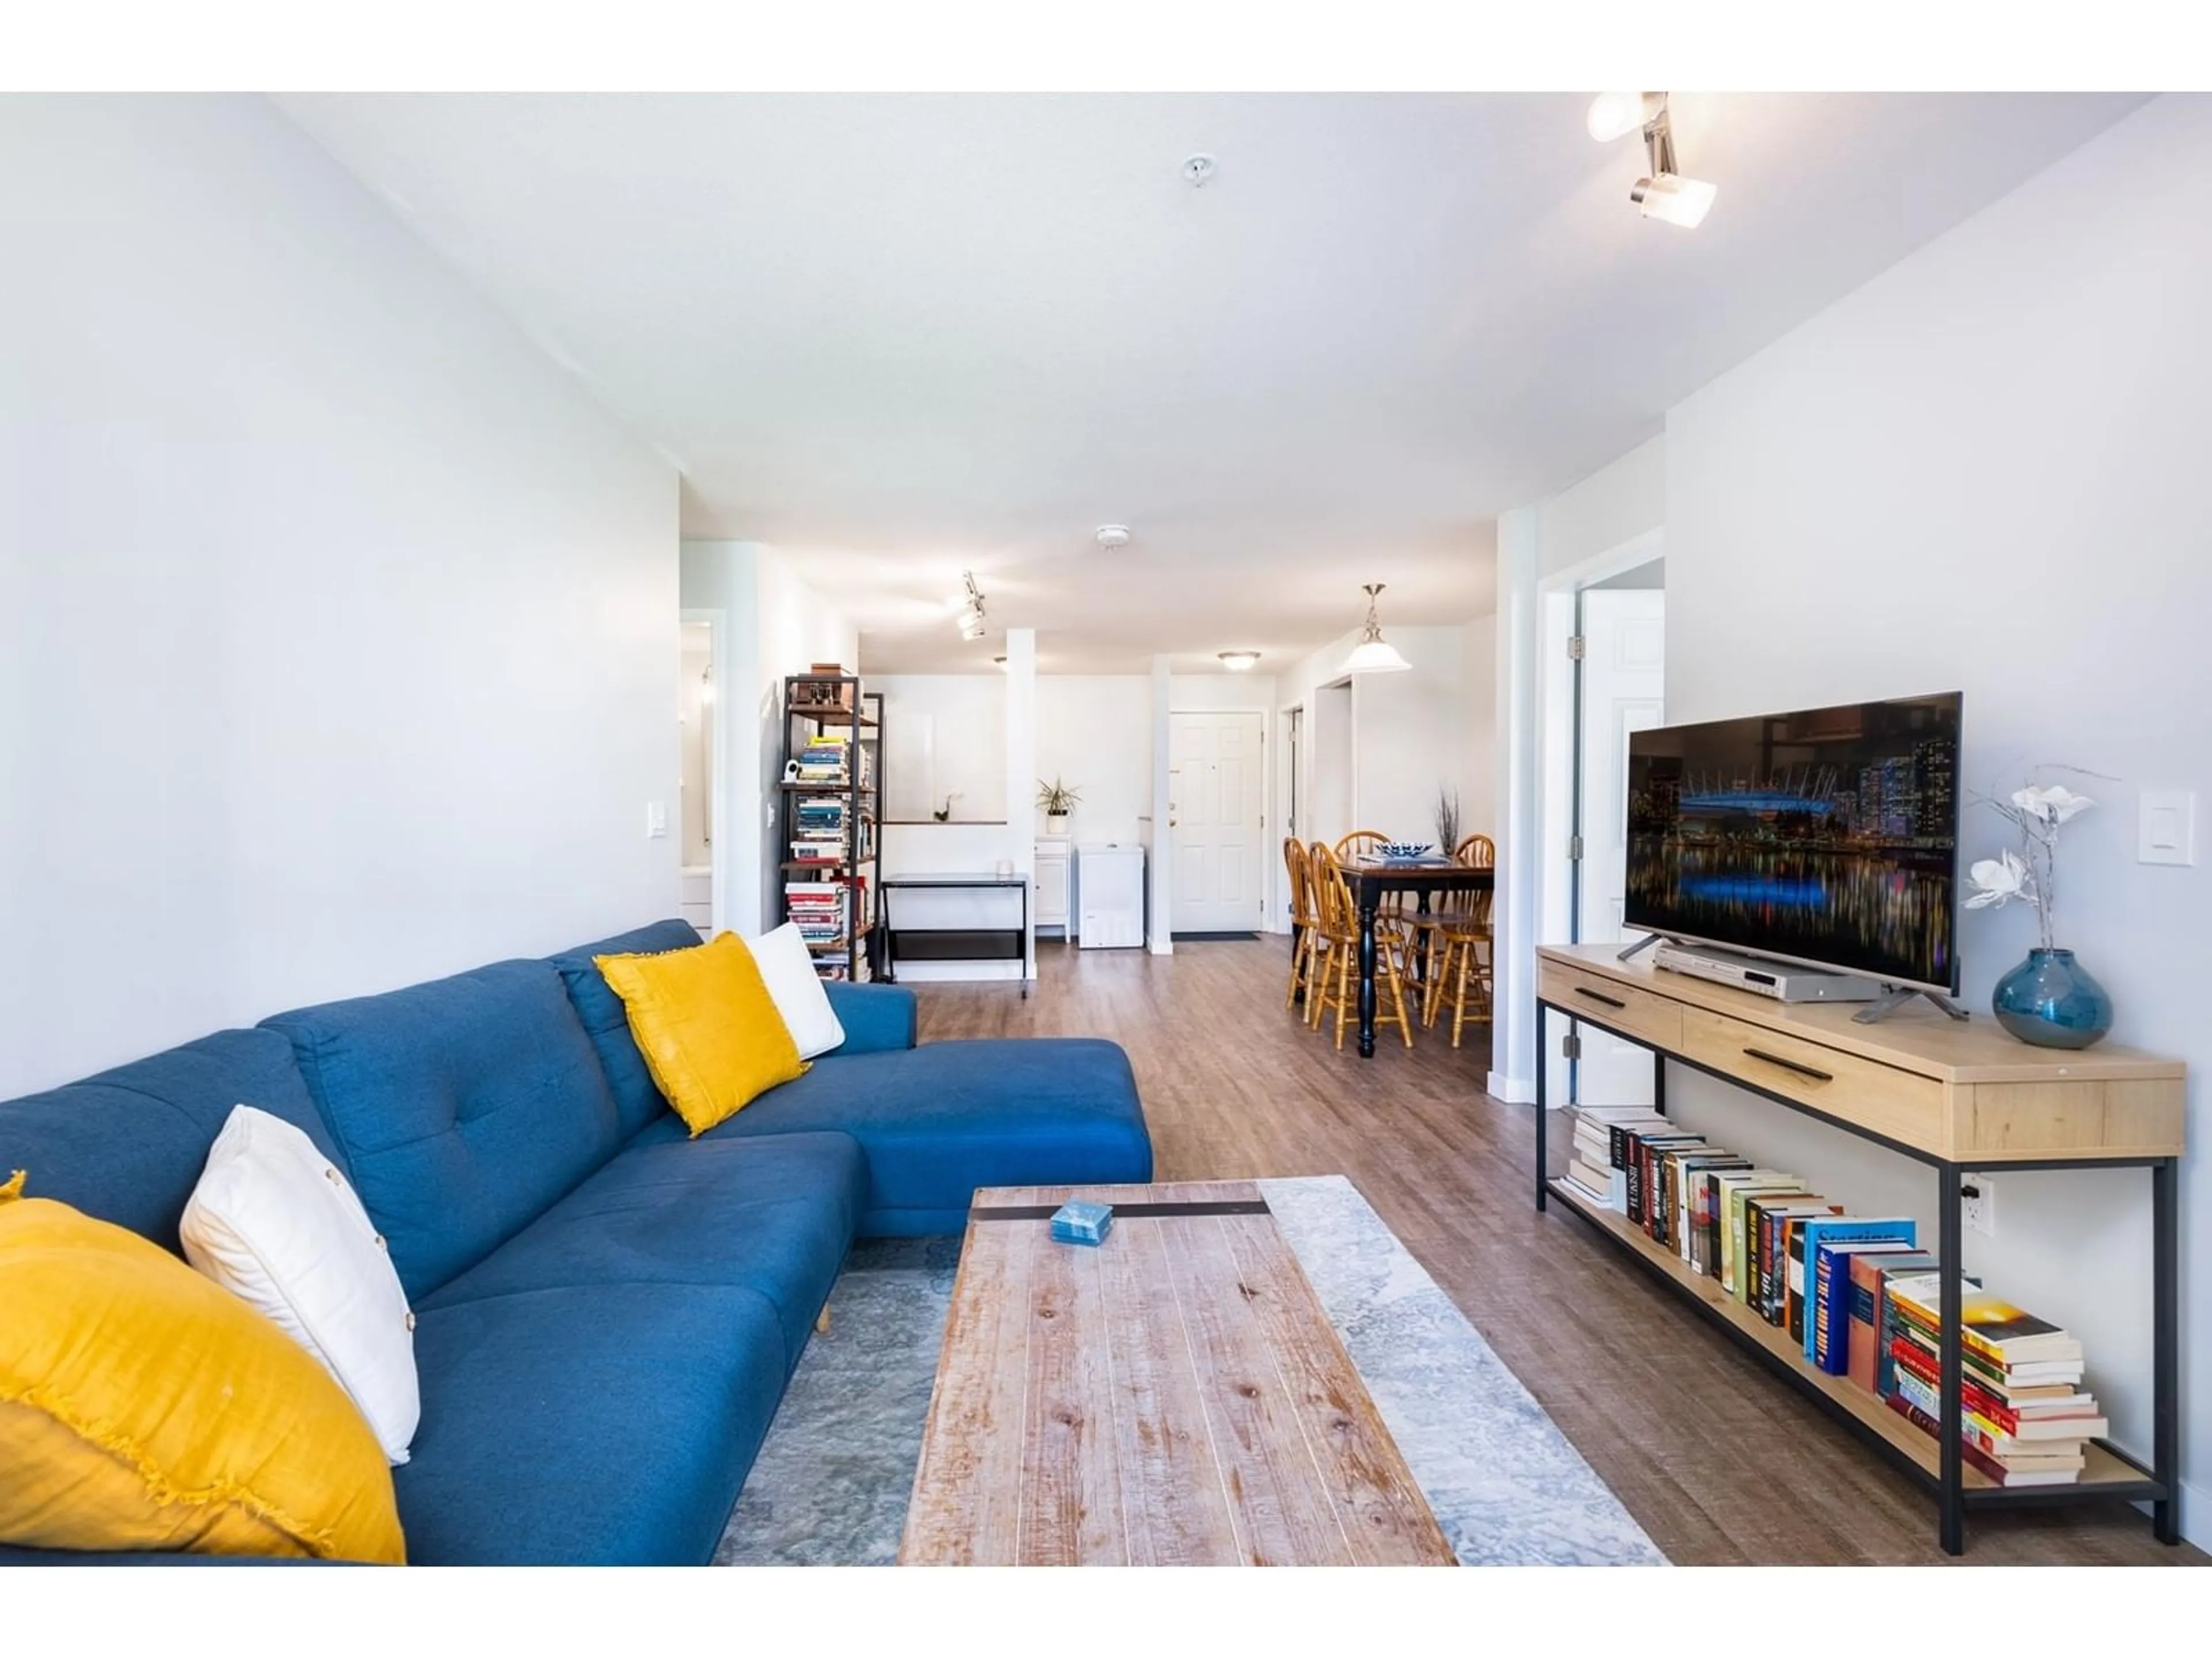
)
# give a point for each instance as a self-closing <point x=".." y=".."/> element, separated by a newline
<point x="830" y="1485"/>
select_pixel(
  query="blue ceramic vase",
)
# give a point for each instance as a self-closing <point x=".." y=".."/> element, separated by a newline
<point x="2052" y="1000"/>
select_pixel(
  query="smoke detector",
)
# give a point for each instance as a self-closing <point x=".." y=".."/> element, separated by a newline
<point x="1111" y="535"/>
<point x="1197" y="170"/>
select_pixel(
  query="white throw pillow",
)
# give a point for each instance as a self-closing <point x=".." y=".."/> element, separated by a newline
<point x="273" y="1221"/>
<point x="788" y="967"/>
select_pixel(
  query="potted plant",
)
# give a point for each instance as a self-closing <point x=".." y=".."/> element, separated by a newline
<point x="1058" y="801"/>
<point x="2050" y="999"/>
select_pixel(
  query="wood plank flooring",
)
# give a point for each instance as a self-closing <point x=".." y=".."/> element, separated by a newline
<point x="1720" y="1462"/>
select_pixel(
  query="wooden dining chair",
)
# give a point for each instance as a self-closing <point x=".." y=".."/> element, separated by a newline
<point x="1370" y="844"/>
<point x="1303" y="920"/>
<point x="1336" y="983"/>
<point x="1360" y="844"/>
<point x="1458" y="964"/>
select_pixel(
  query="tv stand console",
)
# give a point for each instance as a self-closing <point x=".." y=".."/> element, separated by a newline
<point x="1955" y="1098"/>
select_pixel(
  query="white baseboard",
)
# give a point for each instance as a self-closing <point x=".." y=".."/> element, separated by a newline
<point x="1514" y="1091"/>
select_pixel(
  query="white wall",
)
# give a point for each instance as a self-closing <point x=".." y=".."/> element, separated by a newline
<point x="1478" y="776"/>
<point x="338" y="626"/>
<point x="1095" y="731"/>
<point x="1984" y="469"/>
<point x="1622" y="503"/>
<point x="966" y="715"/>
<point x="1410" y="732"/>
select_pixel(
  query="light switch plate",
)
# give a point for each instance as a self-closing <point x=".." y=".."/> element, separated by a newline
<point x="2165" y="827"/>
<point x="656" y="819"/>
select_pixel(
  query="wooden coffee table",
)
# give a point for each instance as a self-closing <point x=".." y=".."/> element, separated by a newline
<point x="1174" y="1396"/>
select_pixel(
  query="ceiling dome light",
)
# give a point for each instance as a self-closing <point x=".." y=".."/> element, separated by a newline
<point x="1111" y="535"/>
<point x="1374" y="654"/>
<point x="1238" y="662"/>
<point x="1677" y="200"/>
<point x="1616" y="114"/>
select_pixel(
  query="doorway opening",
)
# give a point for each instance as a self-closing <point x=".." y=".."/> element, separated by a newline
<point x="1332" y="799"/>
<point x="1605" y="677"/>
<point x="699" y="807"/>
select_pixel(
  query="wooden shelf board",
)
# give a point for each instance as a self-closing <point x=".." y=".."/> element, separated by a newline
<point x="825" y="788"/>
<point x="2102" y="1466"/>
<point x="1915" y="1038"/>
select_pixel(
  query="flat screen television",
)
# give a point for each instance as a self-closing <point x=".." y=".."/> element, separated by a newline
<point x="1825" y="836"/>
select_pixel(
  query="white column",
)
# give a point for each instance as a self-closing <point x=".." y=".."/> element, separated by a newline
<point x="1513" y="1060"/>
<point x="1021" y="765"/>
<point x="1160" y="860"/>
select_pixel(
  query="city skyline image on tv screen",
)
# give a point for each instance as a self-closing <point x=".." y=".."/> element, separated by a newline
<point x="1826" y="834"/>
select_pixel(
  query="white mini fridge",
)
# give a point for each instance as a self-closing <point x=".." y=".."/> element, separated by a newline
<point x="1109" y="896"/>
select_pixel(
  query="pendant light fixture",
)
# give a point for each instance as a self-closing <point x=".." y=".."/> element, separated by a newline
<point x="1374" y="654"/>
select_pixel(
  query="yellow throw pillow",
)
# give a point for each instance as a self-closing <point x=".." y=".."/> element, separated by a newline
<point x="145" y="1407"/>
<point x="706" y="1025"/>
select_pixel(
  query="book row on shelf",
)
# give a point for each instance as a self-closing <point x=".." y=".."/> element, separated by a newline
<point x="825" y="830"/>
<point x="1856" y="1293"/>
<point x="829" y="758"/>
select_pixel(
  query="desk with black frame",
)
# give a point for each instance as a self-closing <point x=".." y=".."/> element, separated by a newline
<point x="954" y="944"/>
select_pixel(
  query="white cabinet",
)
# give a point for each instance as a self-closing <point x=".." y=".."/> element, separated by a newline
<point x="1054" y="869"/>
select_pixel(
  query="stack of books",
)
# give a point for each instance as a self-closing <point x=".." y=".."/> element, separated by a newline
<point x="2025" y="1416"/>
<point x="819" y="831"/>
<point x="826" y="759"/>
<point x="819" y="909"/>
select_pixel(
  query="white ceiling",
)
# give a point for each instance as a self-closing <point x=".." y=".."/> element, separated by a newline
<point x="900" y="336"/>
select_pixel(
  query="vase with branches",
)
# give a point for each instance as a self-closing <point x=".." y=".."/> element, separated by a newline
<point x="1447" y="820"/>
<point x="2050" y="999"/>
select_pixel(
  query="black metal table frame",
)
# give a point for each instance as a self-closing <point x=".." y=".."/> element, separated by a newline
<point x="2160" y="1485"/>
<point x="1370" y="883"/>
<point x="979" y="884"/>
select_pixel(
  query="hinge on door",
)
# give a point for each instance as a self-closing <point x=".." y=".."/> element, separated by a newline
<point x="1571" y="1045"/>
<point x="1574" y="848"/>
<point x="1578" y="647"/>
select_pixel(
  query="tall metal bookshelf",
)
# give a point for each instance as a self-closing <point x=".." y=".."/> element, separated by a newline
<point x="815" y="705"/>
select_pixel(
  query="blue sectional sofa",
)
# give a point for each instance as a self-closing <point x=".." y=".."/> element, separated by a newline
<point x="607" y="1310"/>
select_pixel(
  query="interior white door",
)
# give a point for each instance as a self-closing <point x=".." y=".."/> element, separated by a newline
<point x="1214" y="820"/>
<point x="1624" y="690"/>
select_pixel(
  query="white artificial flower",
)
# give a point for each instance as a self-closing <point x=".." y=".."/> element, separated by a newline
<point x="1998" y="879"/>
<point x="2053" y="804"/>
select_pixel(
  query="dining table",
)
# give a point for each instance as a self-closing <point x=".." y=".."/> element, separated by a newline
<point x="1372" y="879"/>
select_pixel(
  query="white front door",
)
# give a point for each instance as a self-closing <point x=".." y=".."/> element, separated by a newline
<point x="1214" y="821"/>
<point x="1623" y="689"/>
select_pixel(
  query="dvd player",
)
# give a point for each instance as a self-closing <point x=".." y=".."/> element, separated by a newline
<point x="1778" y="980"/>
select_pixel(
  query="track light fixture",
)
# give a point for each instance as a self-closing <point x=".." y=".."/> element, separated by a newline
<point x="1665" y="193"/>
<point x="971" y="608"/>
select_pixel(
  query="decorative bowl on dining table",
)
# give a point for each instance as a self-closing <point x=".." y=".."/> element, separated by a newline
<point x="1406" y="852"/>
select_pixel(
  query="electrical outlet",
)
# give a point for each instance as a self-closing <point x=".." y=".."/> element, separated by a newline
<point x="1978" y="1207"/>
